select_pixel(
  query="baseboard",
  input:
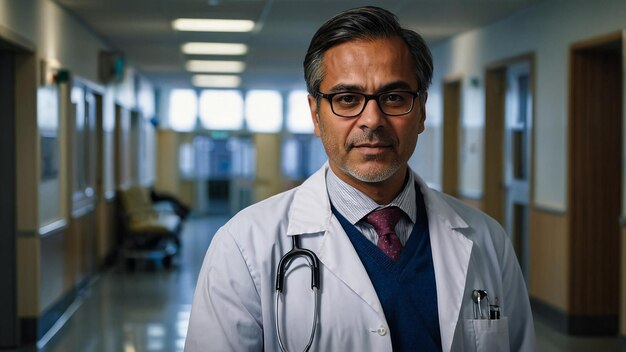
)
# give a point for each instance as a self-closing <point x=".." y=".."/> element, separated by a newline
<point x="34" y="329"/>
<point x="579" y="325"/>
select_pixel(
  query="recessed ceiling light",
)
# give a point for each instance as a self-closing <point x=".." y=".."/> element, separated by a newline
<point x="215" y="66"/>
<point x="214" y="48"/>
<point x="216" y="81"/>
<point x="204" y="25"/>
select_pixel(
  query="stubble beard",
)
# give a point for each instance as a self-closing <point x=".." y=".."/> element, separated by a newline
<point x="371" y="175"/>
<point x="364" y="174"/>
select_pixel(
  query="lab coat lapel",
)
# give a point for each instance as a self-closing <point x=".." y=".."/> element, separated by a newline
<point x="340" y="257"/>
<point x="310" y="213"/>
<point x="451" y="252"/>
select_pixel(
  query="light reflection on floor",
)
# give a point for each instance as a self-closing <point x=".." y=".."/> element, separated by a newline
<point x="148" y="309"/>
<point x="142" y="310"/>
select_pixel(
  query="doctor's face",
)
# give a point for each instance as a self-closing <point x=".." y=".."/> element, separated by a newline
<point x="371" y="147"/>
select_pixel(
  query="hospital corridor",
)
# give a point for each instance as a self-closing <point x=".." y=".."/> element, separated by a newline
<point x="132" y="131"/>
<point x="148" y="309"/>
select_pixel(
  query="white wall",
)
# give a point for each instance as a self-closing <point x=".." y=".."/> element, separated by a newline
<point x="56" y="34"/>
<point x="547" y="30"/>
<point x="62" y="41"/>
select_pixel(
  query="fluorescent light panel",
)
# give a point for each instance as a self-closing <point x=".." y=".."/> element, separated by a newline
<point x="215" y="66"/>
<point x="216" y="81"/>
<point x="197" y="48"/>
<point x="208" y="25"/>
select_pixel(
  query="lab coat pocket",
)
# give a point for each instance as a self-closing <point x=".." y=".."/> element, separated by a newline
<point x="487" y="335"/>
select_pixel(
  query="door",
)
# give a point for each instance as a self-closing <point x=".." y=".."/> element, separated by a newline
<point x="122" y="147"/>
<point x="508" y="150"/>
<point x="493" y="178"/>
<point x="8" y="269"/>
<point x="595" y="183"/>
<point x="451" y="127"/>
<point x="517" y="144"/>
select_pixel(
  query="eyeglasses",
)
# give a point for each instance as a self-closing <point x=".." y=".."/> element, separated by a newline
<point x="350" y="104"/>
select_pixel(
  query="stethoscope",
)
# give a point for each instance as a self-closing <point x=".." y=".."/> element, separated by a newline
<point x="314" y="264"/>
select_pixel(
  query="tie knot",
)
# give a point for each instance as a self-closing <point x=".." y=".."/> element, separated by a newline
<point x="384" y="220"/>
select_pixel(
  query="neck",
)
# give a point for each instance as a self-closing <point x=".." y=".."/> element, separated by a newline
<point x="380" y="192"/>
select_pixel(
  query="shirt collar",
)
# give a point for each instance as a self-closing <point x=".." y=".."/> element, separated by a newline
<point x="354" y="205"/>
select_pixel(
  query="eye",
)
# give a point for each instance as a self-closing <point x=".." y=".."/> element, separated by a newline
<point x="394" y="98"/>
<point x="348" y="99"/>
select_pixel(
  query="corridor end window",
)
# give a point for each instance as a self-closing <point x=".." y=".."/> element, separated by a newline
<point x="183" y="110"/>
<point x="186" y="161"/>
<point x="221" y="109"/>
<point x="298" y="113"/>
<point x="264" y="111"/>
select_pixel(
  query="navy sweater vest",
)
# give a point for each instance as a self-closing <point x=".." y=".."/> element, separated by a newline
<point x="406" y="288"/>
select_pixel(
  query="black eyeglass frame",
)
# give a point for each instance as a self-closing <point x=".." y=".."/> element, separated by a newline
<point x="369" y="97"/>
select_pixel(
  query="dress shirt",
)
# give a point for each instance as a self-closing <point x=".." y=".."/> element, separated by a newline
<point x="354" y="206"/>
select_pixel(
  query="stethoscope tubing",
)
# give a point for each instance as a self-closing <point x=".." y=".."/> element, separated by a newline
<point x="313" y="327"/>
<point x="283" y="264"/>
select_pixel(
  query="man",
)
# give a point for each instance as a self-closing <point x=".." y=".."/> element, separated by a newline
<point x="402" y="267"/>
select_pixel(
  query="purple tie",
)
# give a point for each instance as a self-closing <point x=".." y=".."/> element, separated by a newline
<point x="384" y="222"/>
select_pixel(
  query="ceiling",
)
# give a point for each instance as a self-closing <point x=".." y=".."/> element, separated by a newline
<point x="142" y="31"/>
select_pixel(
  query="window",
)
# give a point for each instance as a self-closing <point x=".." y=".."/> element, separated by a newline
<point x="83" y="148"/>
<point x="298" y="113"/>
<point x="186" y="160"/>
<point x="183" y="110"/>
<point x="221" y="109"/>
<point x="264" y="111"/>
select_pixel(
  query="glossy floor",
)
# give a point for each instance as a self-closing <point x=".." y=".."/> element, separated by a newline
<point x="148" y="309"/>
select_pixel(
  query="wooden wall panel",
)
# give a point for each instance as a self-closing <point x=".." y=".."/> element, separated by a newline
<point x="167" y="162"/>
<point x="549" y="247"/>
<point x="52" y="268"/>
<point x="28" y="262"/>
<point x="80" y="249"/>
<point x="88" y="248"/>
<point x="269" y="179"/>
<point x="106" y="240"/>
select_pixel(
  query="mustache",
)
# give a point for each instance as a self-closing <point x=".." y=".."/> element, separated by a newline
<point x="371" y="137"/>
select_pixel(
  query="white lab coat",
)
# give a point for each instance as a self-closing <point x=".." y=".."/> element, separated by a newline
<point x="233" y="306"/>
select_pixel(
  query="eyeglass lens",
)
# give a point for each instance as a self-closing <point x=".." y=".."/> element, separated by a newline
<point x="391" y="103"/>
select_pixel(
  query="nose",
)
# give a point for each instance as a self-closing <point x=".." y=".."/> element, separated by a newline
<point x="372" y="117"/>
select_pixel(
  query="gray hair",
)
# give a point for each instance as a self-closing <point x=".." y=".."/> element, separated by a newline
<point x="364" y="23"/>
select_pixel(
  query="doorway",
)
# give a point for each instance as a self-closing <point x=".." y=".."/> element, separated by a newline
<point x="8" y="266"/>
<point x="595" y="183"/>
<point x="517" y="144"/>
<point x="122" y="150"/>
<point x="508" y="150"/>
<point x="451" y="127"/>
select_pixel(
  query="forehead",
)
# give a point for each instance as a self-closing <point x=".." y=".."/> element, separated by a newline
<point x="368" y="64"/>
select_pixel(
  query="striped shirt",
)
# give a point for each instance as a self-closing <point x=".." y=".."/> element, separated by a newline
<point x="354" y="206"/>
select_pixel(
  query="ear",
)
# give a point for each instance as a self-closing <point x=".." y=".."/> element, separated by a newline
<point x="422" y="113"/>
<point x="314" y="114"/>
